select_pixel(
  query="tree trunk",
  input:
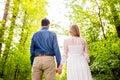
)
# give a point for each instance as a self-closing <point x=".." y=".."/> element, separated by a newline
<point x="118" y="30"/>
<point x="10" y="37"/>
<point x="24" y="34"/>
<point x="4" y="22"/>
<point x="116" y="19"/>
<point x="101" y="24"/>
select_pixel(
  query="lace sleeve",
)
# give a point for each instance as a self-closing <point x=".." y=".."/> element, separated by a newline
<point x="86" y="53"/>
<point x="65" y="54"/>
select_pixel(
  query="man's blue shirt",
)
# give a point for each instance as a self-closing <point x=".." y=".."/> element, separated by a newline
<point x="45" y="42"/>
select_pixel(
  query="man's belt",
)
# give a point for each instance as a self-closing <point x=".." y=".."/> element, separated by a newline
<point x="36" y="55"/>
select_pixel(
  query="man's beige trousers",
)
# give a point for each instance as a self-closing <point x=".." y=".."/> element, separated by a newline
<point x="46" y="65"/>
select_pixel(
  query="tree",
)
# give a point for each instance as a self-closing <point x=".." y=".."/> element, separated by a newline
<point x="115" y="14"/>
<point x="23" y="19"/>
<point x="4" y="20"/>
<point x="99" y="24"/>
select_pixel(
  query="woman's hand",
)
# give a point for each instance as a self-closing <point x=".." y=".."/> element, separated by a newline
<point x="59" y="69"/>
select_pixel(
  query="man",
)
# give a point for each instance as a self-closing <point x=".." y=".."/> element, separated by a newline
<point x="44" y="47"/>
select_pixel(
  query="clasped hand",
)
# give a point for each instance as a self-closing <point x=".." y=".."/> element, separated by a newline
<point x="59" y="69"/>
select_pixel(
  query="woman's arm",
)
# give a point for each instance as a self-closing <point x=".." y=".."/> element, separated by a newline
<point x="86" y="53"/>
<point x="65" y="54"/>
<point x="64" y="57"/>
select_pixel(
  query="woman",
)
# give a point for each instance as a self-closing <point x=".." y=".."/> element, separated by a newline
<point x="76" y="55"/>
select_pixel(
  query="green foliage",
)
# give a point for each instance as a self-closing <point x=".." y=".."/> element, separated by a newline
<point x="97" y="20"/>
<point x="105" y="55"/>
<point x="24" y="19"/>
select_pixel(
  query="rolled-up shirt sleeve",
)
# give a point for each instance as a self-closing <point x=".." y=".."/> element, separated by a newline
<point x="56" y="50"/>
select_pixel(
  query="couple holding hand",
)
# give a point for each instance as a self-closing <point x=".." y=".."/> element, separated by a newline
<point x="44" y="47"/>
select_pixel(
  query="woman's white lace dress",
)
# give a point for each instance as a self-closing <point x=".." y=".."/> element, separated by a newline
<point x="76" y="55"/>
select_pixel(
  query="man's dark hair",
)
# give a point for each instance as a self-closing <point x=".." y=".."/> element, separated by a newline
<point x="45" y="22"/>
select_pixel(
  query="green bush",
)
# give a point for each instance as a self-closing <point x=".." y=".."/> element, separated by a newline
<point x="105" y="59"/>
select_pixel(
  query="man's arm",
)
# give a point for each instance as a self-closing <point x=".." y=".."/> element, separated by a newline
<point x="56" y="50"/>
<point x="32" y="52"/>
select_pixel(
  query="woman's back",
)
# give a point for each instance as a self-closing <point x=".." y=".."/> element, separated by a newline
<point x="75" y="45"/>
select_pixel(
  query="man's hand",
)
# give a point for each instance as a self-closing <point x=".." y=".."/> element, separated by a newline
<point x="59" y="69"/>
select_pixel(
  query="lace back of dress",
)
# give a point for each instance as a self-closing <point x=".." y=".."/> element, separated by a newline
<point x="76" y="46"/>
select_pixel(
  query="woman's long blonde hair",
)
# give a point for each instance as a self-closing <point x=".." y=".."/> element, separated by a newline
<point x="74" y="30"/>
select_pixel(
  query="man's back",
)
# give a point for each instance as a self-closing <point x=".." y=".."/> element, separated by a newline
<point x="43" y="40"/>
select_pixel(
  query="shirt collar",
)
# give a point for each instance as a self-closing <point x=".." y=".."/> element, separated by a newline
<point x="44" y="27"/>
